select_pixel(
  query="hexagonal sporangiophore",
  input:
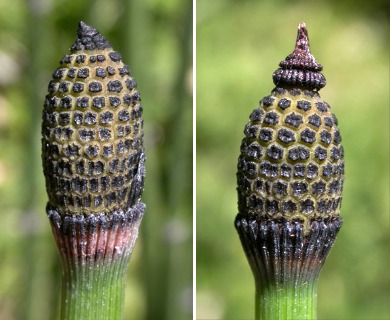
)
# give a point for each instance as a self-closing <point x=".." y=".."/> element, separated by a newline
<point x="296" y="143"/>
<point x="92" y="137"/>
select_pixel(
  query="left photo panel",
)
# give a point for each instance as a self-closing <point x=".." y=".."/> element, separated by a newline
<point x="96" y="160"/>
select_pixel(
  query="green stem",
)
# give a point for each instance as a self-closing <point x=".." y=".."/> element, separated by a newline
<point x="286" y="301"/>
<point x="93" y="290"/>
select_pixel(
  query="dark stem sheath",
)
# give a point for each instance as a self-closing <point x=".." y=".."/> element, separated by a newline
<point x="95" y="250"/>
<point x="286" y="263"/>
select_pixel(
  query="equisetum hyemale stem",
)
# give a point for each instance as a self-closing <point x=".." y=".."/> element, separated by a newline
<point x="93" y="161"/>
<point x="290" y="179"/>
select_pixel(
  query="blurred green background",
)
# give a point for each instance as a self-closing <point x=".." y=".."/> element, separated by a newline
<point x="155" y="40"/>
<point x="239" y="46"/>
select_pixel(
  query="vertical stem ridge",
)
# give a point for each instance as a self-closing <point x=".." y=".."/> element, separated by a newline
<point x="286" y="301"/>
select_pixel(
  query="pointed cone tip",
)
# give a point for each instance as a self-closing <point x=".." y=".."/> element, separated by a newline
<point x="302" y="42"/>
<point x="300" y="68"/>
<point x="302" y="26"/>
<point x="85" y="30"/>
<point x="89" y="38"/>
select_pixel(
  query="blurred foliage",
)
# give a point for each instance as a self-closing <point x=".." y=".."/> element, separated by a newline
<point x="155" y="40"/>
<point x="239" y="46"/>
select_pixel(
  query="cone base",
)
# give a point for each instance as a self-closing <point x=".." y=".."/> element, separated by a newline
<point x="286" y="262"/>
<point x="95" y="251"/>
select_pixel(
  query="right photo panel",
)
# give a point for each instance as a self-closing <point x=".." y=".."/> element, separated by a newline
<point x="292" y="160"/>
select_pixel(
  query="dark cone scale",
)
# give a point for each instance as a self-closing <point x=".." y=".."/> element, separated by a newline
<point x="92" y="132"/>
<point x="290" y="172"/>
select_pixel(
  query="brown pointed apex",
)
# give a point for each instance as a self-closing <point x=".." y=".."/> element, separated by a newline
<point x="301" y="58"/>
<point x="89" y="38"/>
<point x="300" y="68"/>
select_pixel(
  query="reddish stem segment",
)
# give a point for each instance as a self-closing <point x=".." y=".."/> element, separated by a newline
<point x="95" y="251"/>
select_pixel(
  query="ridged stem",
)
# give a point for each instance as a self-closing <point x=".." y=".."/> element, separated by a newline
<point x="286" y="301"/>
<point x="286" y="262"/>
<point x="95" y="251"/>
<point x="96" y="292"/>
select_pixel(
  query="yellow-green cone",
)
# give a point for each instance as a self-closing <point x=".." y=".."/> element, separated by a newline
<point x="290" y="181"/>
<point x="94" y="166"/>
<point x="92" y="131"/>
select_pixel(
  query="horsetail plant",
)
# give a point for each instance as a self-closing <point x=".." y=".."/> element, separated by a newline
<point x="93" y="161"/>
<point x="290" y="180"/>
